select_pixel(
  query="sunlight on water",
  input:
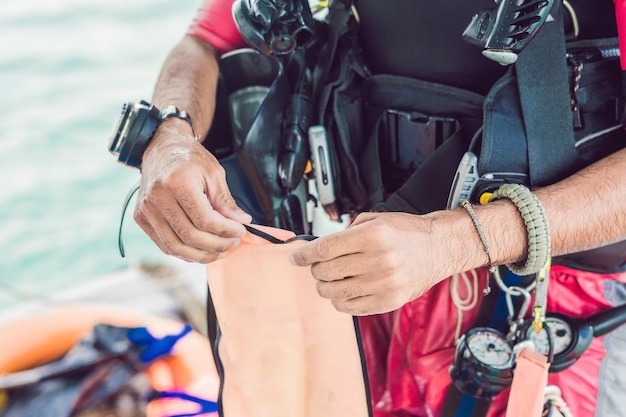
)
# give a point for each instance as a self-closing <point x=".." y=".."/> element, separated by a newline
<point x="66" y="67"/>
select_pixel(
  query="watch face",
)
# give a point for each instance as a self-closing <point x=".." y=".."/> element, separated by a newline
<point x="120" y="128"/>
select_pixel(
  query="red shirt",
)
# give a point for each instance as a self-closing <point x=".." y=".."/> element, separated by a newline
<point x="214" y="24"/>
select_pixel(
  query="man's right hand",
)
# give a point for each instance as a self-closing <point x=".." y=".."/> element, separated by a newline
<point x="184" y="203"/>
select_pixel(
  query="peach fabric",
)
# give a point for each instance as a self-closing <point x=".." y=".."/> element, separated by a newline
<point x="285" y="350"/>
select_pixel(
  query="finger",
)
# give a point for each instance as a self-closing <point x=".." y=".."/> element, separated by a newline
<point x="170" y="244"/>
<point x="345" y="289"/>
<point x="357" y="286"/>
<point x="368" y="305"/>
<point x="174" y="230"/>
<point x="326" y="248"/>
<point x="340" y="268"/>
<point x="223" y="202"/>
<point x="198" y="209"/>
<point x="364" y="294"/>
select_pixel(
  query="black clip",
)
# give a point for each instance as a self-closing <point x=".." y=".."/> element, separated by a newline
<point x="504" y="31"/>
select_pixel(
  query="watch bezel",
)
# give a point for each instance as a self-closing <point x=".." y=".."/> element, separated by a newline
<point x="120" y="128"/>
<point x="132" y="132"/>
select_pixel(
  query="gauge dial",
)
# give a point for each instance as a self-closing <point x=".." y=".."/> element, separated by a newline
<point x="561" y="332"/>
<point x="490" y="348"/>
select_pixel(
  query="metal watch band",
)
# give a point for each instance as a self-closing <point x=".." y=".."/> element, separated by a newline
<point x="173" y="111"/>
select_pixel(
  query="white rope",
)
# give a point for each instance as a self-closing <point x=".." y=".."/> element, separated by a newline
<point x="467" y="303"/>
<point x="552" y="393"/>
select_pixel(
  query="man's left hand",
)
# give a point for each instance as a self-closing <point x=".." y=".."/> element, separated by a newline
<point x="381" y="262"/>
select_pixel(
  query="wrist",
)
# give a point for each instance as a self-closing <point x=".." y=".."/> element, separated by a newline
<point x="504" y="230"/>
<point x="171" y="132"/>
<point x="142" y="124"/>
<point x="455" y="239"/>
<point x="458" y="239"/>
<point x="171" y="112"/>
<point x="172" y="126"/>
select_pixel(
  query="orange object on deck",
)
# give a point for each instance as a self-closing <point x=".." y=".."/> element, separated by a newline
<point x="45" y="336"/>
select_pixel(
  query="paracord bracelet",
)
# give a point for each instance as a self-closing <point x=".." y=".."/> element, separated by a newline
<point x="534" y="218"/>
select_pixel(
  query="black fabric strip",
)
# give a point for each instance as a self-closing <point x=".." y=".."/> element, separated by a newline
<point x="263" y="235"/>
<point x="481" y="407"/>
<point x="366" y="380"/>
<point x="220" y="371"/>
<point x="274" y="239"/>
<point x="451" y="402"/>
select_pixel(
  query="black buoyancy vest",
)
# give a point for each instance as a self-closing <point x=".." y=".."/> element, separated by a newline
<point x="422" y="38"/>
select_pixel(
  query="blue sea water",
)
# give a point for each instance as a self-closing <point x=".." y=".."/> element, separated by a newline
<point x="66" y="67"/>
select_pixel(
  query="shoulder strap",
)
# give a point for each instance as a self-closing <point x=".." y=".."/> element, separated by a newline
<point x="339" y="13"/>
<point x="542" y="81"/>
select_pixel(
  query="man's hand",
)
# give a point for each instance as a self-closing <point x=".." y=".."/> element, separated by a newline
<point x="381" y="262"/>
<point x="184" y="203"/>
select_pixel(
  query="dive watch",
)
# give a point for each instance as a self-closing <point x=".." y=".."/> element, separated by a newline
<point x="135" y="127"/>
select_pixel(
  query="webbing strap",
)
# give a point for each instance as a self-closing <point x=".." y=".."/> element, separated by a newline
<point x="543" y="86"/>
<point x="338" y="16"/>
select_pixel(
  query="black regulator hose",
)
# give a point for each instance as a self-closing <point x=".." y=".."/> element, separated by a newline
<point x="607" y="320"/>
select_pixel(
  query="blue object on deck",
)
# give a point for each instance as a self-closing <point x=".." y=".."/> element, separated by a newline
<point x="206" y="406"/>
<point x="154" y="347"/>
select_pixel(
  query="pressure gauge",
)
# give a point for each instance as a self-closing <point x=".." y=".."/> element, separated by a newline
<point x="483" y="363"/>
<point x="490" y="348"/>
<point x="569" y="338"/>
<point x="558" y="330"/>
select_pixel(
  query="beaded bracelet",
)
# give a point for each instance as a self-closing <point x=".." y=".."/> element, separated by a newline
<point x="470" y="210"/>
